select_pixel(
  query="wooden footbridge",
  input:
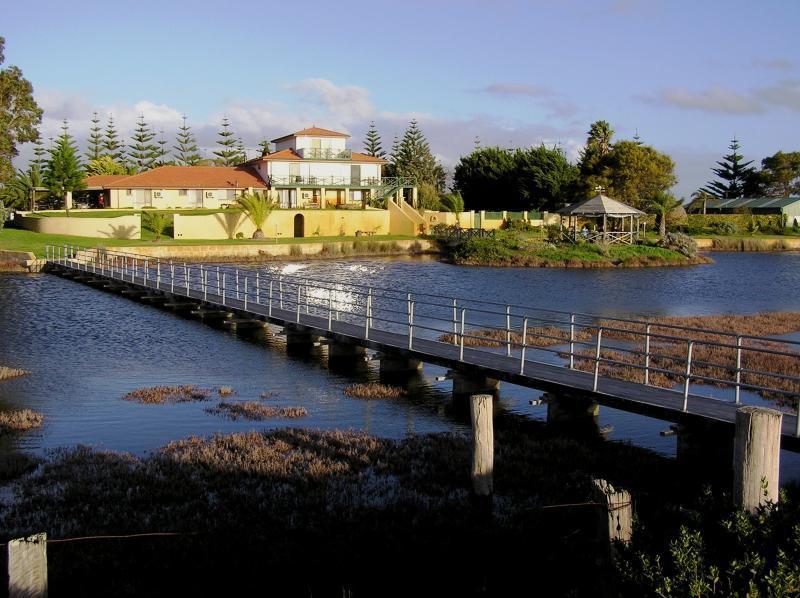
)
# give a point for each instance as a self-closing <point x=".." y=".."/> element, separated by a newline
<point x="481" y="341"/>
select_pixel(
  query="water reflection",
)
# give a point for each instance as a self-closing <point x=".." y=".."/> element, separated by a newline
<point x="86" y="348"/>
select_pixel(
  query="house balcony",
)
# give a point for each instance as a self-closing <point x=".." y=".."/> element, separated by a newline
<point x="325" y="181"/>
<point x="316" y="153"/>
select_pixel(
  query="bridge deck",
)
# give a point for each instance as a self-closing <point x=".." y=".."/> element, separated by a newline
<point x="660" y="403"/>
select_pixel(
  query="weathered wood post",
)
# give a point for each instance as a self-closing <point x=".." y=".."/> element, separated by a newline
<point x="616" y="513"/>
<point x="756" y="456"/>
<point x="27" y="567"/>
<point x="480" y="409"/>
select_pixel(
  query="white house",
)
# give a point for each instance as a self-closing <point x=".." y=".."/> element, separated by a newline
<point x="315" y="168"/>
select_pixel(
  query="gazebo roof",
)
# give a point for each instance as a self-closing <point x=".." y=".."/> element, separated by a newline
<point x="598" y="206"/>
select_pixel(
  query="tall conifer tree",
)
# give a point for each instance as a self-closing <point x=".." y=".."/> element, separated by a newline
<point x="372" y="142"/>
<point x="95" y="141"/>
<point x="161" y="150"/>
<point x="414" y="159"/>
<point x="64" y="171"/>
<point x="228" y="153"/>
<point x="143" y="151"/>
<point x="733" y="174"/>
<point x="186" y="150"/>
<point x="111" y="142"/>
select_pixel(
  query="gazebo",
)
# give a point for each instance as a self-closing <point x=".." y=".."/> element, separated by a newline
<point x="613" y="221"/>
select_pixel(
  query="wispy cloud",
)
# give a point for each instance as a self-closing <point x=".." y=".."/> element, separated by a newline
<point x="778" y="64"/>
<point x="784" y="93"/>
<point x="713" y="99"/>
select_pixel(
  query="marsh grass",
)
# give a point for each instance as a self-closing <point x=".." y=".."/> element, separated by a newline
<point x="315" y="510"/>
<point x="539" y="336"/>
<point x="156" y="395"/>
<point x="374" y="390"/>
<point x="21" y="420"/>
<point x="749" y="244"/>
<point x="255" y="411"/>
<point x="14" y="465"/>
<point x="7" y="373"/>
<point x="225" y="391"/>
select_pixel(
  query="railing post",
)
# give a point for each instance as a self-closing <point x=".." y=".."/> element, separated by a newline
<point x="237" y="283"/>
<point x="739" y="371"/>
<point x="219" y="288"/>
<point x="223" y="288"/>
<point x="411" y="325"/>
<point x="280" y="291"/>
<point x="171" y="278"/>
<point x="572" y="341"/>
<point x="330" y="309"/>
<point x="461" y="336"/>
<point x="187" y="274"/>
<point x="367" y="313"/>
<point x="455" y="321"/>
<point x="146" y="271"/>
<point x="258" y="289"/>
<point x="270" y="297"/>
<point x="688" y="375"/>
<point x="205" y="285"/>
<point x="524" y="345"/>
<point x="647" y="355"/>
<point x="158" y="274"/>
<point x="133" y="272"/>
<point x="203" y="281"/>
<point x="508" y="331"/>
<point x="597" y="359"/>
<point x="369" y="306"/>
<point x="298" y="302"/>
<point x="245" y="292"/>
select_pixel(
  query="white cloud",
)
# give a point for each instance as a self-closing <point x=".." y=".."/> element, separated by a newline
<point x="714" y="99"/>
<point x="784" y="93"/>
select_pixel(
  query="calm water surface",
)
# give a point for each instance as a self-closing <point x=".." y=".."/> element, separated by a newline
<point x="86" y="348"/>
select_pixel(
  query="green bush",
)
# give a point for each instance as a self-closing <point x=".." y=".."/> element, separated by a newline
<point x="725" y="228"/>
<point x="718" y="552"/>
<point x="484" y="250"/>
<point x="679" y="242"/>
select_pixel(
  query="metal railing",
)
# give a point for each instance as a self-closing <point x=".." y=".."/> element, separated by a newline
<point x="318" y="153"/>
<point x="602" y="347"/>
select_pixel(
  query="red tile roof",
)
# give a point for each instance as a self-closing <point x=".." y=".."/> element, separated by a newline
<point x="366" y="158"/>
<point x="100" y="181"/>
<point x="192" y="177"/>
<point x="312" y="132"/>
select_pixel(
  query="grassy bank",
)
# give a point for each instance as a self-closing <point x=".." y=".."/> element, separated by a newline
<point x="511" y="248"/>
<point x="24" y="240"/>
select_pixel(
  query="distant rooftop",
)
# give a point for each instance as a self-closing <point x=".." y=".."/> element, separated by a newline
<point x="312" y="132"/>
<point x="751" y="202"/>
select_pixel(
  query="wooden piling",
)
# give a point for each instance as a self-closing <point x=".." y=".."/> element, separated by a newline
<point x="616" y="513"/>
<point x="27" y="567"/>
<point x="480" y="408"/>
<point x="756" y="456"/>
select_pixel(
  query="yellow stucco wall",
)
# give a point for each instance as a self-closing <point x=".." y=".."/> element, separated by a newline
<point x="120" y="227"/>
<point x="325" y="223"/>
<point x="172" y="198"/>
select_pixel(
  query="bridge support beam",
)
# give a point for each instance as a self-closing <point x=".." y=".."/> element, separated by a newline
<point x="756" y="457"/>
<point x="465" y="385"/>
<point x="393" y="364"/>
<point x="301" y="341"/>
<point x="571" y="409"/>
<point x="704" y="450"/>
<point x="346" y="356"/>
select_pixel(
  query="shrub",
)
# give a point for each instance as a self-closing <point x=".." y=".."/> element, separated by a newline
<point x="156" y="222"/>
<point x="679" y="242"/>
<point x="240" y="235"/>
<point x="725" y="228"/>
<point x="483" y="250"/>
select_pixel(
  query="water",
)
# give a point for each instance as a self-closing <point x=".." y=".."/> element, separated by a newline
<point x="86" y="348"/>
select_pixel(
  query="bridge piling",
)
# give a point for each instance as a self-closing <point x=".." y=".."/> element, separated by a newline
<point x="481" y="417"/>
<point x="563" y="408"/>
<point x="756" y="457"/>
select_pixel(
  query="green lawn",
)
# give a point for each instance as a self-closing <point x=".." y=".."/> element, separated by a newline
<point x="22" y="240"/>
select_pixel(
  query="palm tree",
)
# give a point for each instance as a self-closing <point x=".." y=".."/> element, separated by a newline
<point x="21" y="189"/>
<point x="662" y="203"/>
<point x="453" y="202"/>
<point x="257" y="208"/>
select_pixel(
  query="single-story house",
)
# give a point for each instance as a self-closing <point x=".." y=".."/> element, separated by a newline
<point x="788" y="206"/>
<point x="175" y="187"/>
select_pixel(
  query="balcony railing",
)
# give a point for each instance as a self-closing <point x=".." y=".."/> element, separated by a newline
<point x="325" y="181"/>
<point x="317" y="153"/>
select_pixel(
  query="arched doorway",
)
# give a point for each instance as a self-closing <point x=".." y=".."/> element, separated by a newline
<point x="299" y="225"/>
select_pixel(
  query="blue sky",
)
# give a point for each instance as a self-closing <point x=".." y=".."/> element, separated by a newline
<point x="688" y="75"/>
